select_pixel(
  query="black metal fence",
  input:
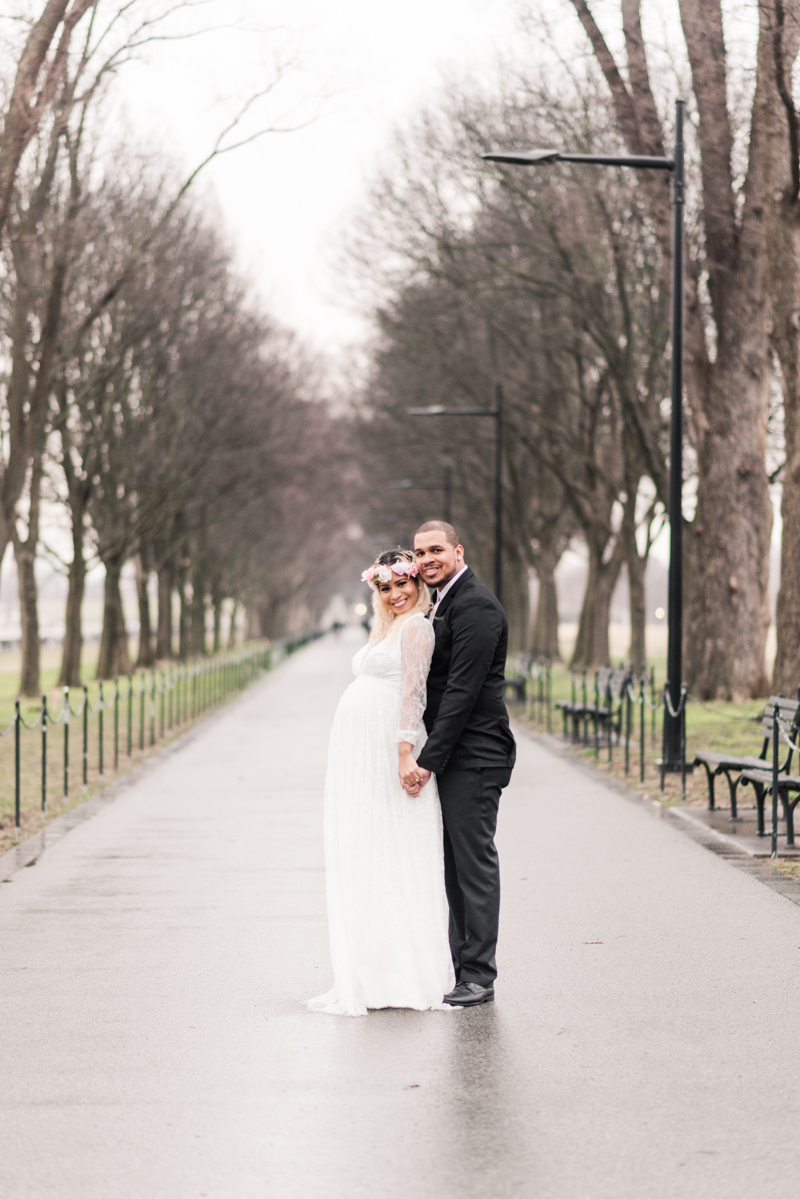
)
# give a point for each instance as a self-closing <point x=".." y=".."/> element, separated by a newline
<point x="606" y="707"/>
<point x="136" y="712"/>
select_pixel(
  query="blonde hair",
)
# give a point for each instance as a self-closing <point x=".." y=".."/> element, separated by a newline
<point x="385" y="620"/>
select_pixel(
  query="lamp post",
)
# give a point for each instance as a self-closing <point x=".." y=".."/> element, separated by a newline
<point x="497" y="413"/>
<point x="673" y="752"/>
<point x="446" y="488"/>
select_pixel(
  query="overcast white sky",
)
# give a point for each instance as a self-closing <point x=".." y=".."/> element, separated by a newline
<point x="360" y="67"/>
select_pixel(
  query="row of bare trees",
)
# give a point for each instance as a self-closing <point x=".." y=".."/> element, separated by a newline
<point x="143" y="391"/>
<point x="556" y="283"/>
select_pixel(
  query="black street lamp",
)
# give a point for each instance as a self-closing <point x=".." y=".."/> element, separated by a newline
<point x="446" y="488"/>
<point x="673" y="752"/>
<point x="497" y="413"/>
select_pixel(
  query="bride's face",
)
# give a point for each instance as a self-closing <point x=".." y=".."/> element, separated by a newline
<point x="399" y="595"/>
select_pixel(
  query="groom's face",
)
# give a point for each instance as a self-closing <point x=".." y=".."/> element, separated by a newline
<point x="437" y="559"/>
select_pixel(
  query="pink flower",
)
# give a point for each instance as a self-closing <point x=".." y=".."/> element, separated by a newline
<point x="383" y="574"/>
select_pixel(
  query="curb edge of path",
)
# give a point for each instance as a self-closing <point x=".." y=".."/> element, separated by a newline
<point x="28" y="852"/>
<point x="717" y="843"/>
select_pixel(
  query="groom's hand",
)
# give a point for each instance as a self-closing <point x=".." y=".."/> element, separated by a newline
<point x="412" y="776"/>
<point x="424" y="776"/>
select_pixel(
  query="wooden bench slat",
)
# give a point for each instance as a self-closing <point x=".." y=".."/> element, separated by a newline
<point x="732" y="760"/>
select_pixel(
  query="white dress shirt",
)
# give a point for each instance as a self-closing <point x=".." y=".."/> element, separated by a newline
<point x="442" y="592"/>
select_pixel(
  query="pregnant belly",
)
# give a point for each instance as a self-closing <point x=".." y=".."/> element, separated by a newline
<point x="370" y="700"/>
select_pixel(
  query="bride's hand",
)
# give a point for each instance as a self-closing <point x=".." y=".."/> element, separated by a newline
<point x="412" y="777"/>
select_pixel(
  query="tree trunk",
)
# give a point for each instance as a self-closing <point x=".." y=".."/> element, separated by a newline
<point x="591" y="645"/>
<point x="25" y="554"/>
<point x="184" y="615"/>
<point x="113" y="658"/>
<point x="232" y="626"/>
<point x="217" y="601"/>
<point x="517" y="602"/>
<point x="29" y="683"/>
<point x="197" y="614"/>
<point x="782" y="238"/>
<point x="726" y="615"/>
<point x="145" y="657"/>
<point x="166" y="577"/>
<point x="637" y="599"/>
<point x="72" y="648"/>
<point x="636" y="567"/>
<point x="544" y="641"/>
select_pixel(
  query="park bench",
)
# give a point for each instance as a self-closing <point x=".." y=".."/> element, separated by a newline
<point x="605" y="713"/>
<point x="517" y="680"/>
<point x="761" y="779"/>
<point x="568" y="707"/>
<point x="746" y="768"/>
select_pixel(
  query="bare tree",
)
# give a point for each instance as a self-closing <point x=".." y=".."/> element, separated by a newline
<point x="727" y="368"/>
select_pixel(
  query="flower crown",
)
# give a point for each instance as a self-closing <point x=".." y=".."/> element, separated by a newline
<point x="383" y="574"/>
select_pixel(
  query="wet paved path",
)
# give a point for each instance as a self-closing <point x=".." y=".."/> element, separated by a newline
<point x="154" y="1045"/>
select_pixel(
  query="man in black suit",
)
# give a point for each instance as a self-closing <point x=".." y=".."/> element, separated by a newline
<point x="470" y="749"/>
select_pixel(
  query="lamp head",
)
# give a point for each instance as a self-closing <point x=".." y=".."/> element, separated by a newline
<point x="522" y="158"/>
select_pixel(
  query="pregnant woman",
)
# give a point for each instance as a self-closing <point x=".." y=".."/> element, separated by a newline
<point x="387" y="909"/>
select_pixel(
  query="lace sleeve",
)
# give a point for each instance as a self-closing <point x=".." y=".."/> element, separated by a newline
<point x="416" y="650"/>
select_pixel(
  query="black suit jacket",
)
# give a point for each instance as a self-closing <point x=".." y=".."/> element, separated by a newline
<point x="466" y="715"/>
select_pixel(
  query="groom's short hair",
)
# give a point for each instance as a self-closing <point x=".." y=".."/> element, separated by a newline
<point x="431" y="526"/>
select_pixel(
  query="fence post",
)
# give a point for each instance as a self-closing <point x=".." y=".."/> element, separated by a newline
<point x="85" y="736"/>
<point x="44" y="753"/>
<point x="142" y="689"/>
<point x="16" y="765"/>
<point x="596" y="706"/>
<point x="130" y="715"/>
<point x="683" y="743"/>
<point x="66" y="742"/>
<point x="641" y="727"/>
<point x="610" y="710"/>
<point x="549" y="684"/>
<point x="152" y="707"/>
<point x="116" y="723"/>
<point x="653" y="706"/>
<point x="775" y="751"/>
<point x="163" y="701"/>
<point x="627" y="726"/>
<point x="100" y="728"/>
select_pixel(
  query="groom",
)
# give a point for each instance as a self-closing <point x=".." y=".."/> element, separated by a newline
<point x="470" y="749"/>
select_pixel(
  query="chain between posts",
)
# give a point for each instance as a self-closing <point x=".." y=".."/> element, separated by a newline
<point x="182" y="694"/>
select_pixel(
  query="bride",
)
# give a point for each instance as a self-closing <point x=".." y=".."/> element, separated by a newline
<point x="387" y="910"/>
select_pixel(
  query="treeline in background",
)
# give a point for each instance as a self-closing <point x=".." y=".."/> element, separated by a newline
<point x="149" y="405"/>
<point x="185" y="434"/>
<point x="555" y="282"/>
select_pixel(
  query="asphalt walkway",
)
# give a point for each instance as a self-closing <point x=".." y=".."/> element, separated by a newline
<point x="153" y="965"/>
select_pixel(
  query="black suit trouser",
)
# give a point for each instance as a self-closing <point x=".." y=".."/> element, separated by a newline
<point x="469" y="800"/>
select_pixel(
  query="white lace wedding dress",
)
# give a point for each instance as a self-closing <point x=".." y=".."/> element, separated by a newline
<point x="387" y="909"/>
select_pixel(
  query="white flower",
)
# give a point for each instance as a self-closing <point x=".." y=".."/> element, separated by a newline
<point x="384" y="574"/>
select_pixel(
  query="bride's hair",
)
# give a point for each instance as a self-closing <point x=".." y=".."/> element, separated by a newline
<point x="384" y="619"/>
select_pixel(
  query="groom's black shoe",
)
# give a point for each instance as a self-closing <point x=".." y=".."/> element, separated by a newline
<point x="468" y="994"/>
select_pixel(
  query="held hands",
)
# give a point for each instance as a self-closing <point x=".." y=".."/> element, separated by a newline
<point x="412" y="777"/>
